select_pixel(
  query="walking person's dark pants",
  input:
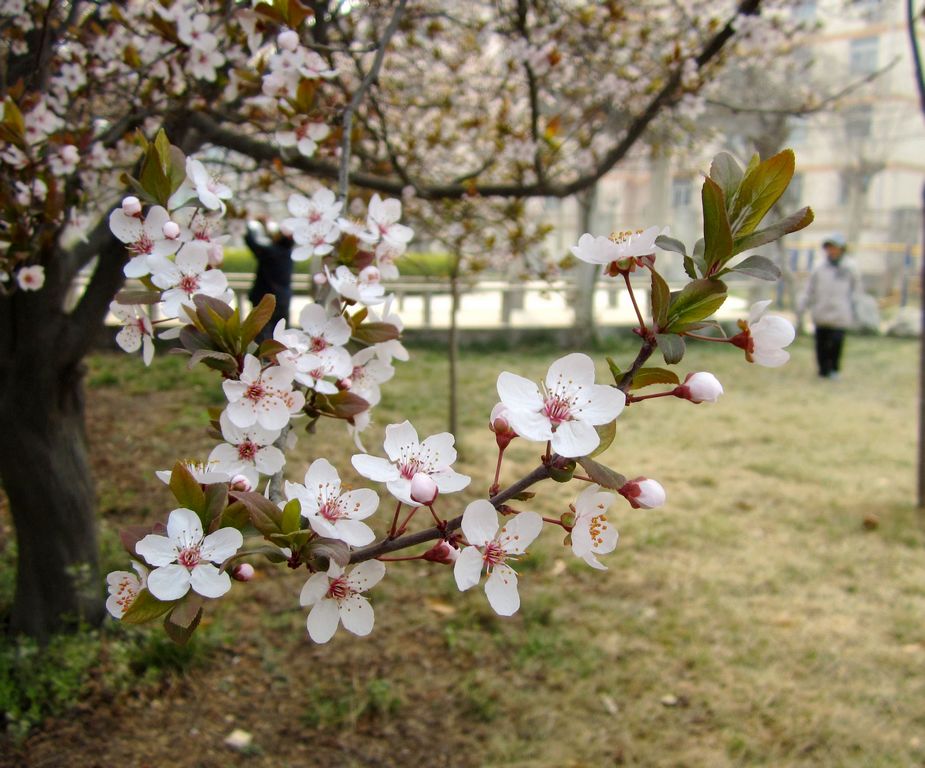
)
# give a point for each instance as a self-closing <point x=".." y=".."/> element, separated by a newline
<point x="829" y="342"/>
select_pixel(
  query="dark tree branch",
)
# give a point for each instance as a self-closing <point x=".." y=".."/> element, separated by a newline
<point x="343" y="177"/>
<point x="216" y="134"/>
<point x="434" y="533"/>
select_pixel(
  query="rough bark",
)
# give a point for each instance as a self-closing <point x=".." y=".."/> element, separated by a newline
<point x="584" y="328"/>
<point x="46" y="475"/>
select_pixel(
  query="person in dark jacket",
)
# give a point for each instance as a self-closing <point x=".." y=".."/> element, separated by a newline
<point x="274" y="273"/>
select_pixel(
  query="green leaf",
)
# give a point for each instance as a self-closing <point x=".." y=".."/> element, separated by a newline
<point x="717" y="234"/>
<point x="176" y="173"/>
<point x="323" y="551"/>
<point x="187" y="491"/>
<point x="760" y="190"/>
<point x="182" y="621"/>
<point x="291" y="520"/>
<point x="264" y="515"/>
<point x="343" y="405"/>
<point x="603" y="476"/>
<point x="727" y="173"/>
<point x="792" y="223"/>
<point x="219" y="361"/>
<point x="695" y="302"/>
<point x="661" y="299"/>
<point x="614" y="371"/>
<point x="235" y="516"/>
<point x="146" y="607"/>
<point x="646" y="377"/>
<point x="672" y="347"/>
<point x="375" y="333"/>
<point x="270" y="347"/>
<point x="255" y="321"/>
<point x="672" y="244"/>
<point x="606" y="432"/>
<point x="689" y="268"/>
<point x="216" y="500"/>
<point x="758" y="266"/>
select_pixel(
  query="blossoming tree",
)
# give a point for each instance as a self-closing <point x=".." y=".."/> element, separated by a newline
<point x="91" y="184"/>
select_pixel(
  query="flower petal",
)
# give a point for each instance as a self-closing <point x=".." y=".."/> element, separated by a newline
<point x="480" y="522"/>
<point x="366" y="575"/>
<point x="573" y="439"/>
<point x="566" y="373"/>
<point x="314" y="589"/>
<point x="468" y="568"/>
<point x="184" y="528"/>
<point x="518" y="533"/>
<point x="501" y="590"/>
<point x="156" y="550"/>
<point x="354" y="532"/>
<point x="357" y="615"/>
<point x="221" y="544"/>
<point x="518" y="393"/>
<point x="399" y="436"/>
<point x="604" y="405"/>
<point x="323" y="620"/>
<point x="208" y="581"/>
<point x="375" y="468"/>
<point x="169" y="583"/>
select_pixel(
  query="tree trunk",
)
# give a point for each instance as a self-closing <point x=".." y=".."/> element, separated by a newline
<point x="453" y="348"/>
<point x="46" y="474"/>
<point x="584" y="329"/>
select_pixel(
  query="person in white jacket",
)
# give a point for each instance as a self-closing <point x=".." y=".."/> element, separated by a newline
<point x="831" y="298"/>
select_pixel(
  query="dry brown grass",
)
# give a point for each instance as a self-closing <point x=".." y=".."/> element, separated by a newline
<point x="753" y="621"/>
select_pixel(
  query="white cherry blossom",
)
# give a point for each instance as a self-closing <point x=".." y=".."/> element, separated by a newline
<point x="144" y="238"/>
<point x="492" y="548"/>
<point x="263" y="397"/>
<point x="592" y="532"/>
<point x="137" y="332"/>
<point x="31" y="278"/>
<point x="203" y="472"/>
<point x="643" y="493"/>
<point x="568" y="408"/>
<point x="184" y="557"/>
<point x="330" y="513"/>
<point x="335" y="597"/>
<point x="700" y="387"/>
<point x="765" y="336"/>
<point x="305" y="137"/>
<point x="407" y="457"/>
<point x="124" y="587"/>
<point x="327" y="335"/>
<point x="364" y="288"/>
<point x="367" y="373"/>
<point x="211" y="192"/>
<point x="382" y="222"/>
<point x="248" y="451"/>
<point x="623" y="245"/>
<point x="186" y="277"/>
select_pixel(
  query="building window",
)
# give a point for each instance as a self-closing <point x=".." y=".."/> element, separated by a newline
<point x="863" y="55"/>
<point x="858" y="121"/>
<point x="681" y="192"/>
<point x="798" y="130"/>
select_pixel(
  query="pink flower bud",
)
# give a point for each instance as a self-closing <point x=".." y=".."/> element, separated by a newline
<point x="131" y="206"/>
<point x="243" y="572"/>
<point x="288" y="40"/>
<point x="442" y="552"/>
<point x="423" y="489"/>
<point x="369" y="274"/>
<point x="500" y="424"/>
<point x="701" y="387"/>
<point x="345" y="383"/>
<point x="643" y="493"/>
<point x="319" y="278"/>
<point x="171" y="230"/>
<point x="241" y="483"/>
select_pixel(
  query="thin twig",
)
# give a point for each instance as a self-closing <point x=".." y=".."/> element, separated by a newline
<point x="373" y="72"/>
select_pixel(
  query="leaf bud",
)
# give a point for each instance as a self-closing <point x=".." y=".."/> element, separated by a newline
<point x="288" y="40"/>
<point x="562" y="469"/>
<point x="643" y="493"/>
<point x="423" y="489"/>
<point x="243" y="572"/>
<point x="319" y="278"/>
<point x="700" y="387"/>
<point x="131" y="206"/>
<point x="442" y="552"/>
<point x="499" y="423"/>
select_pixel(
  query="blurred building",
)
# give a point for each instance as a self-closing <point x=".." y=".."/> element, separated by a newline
<point x="860" y="158"/>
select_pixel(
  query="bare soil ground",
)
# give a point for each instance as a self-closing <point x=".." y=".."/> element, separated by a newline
<point x="754" y="621"/>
